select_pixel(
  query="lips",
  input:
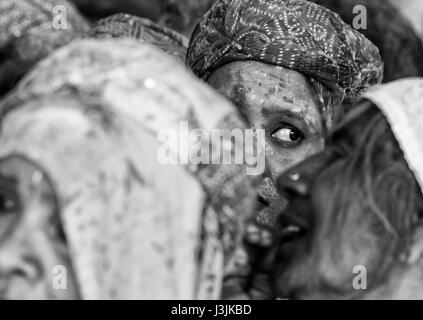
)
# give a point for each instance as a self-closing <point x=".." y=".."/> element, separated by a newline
<point x="291" y="227"/>
<point x="291" y="231"/>
<point x="292" y="242"/>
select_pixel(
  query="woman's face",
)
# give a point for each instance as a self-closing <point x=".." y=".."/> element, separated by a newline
<point x="281" y="102"/>
<point x="34" y="258"/>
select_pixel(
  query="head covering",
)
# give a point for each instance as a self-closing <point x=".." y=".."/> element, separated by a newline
<point x="401" y="102"/>
<point x="30" y="30"/>
<point x="90" y="115"/>
<point x="143" y="30"/>
<point x="400" y="46"/>
<point x="295" y="34"/>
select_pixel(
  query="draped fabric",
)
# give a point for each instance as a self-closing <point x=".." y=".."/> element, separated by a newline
<point x="401" y="102"/>
<point x="144" y="30"/>
<point x="91" y="115"/>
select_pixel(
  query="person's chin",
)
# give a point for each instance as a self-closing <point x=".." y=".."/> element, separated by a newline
<point x="289" y="280"/>
<point x="18" y="291"/>
<point x="24" y="290"/>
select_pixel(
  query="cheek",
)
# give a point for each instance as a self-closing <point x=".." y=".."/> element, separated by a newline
<point x="280" y="159"/>
<point x="7" y="221"/>
<point x="278" y="162"/>
<point x="238" y="97"/>
<point x="57" y="275"/>
<point x="62" y="280"/>
<point x="344" y="232"/>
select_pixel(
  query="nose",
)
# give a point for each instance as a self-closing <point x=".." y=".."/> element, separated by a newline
<point x="297" y="181"/>
<point x="16" y="261"/>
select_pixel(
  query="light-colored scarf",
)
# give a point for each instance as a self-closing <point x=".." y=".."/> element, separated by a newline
<point x="401" y="102"/>
<point x="89" y="115"/>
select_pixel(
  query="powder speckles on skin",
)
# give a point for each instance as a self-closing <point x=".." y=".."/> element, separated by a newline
<point x="269" y="150"/>
<point x="282" y="85"/>
<point x="272" y="90"/>
<point x="238" y="96"/>
<point x="288" y="99"/>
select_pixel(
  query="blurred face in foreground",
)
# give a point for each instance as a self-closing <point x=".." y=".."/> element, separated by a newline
<point x="353" y="226"/>
<point x="34" y="258"/>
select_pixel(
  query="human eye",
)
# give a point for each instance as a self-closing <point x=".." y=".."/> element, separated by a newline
<point x="9" y="208"/>
<point x="8" y="202"/>
<point x="287" y="135"/>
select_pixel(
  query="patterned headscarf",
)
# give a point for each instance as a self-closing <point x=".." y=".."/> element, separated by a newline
<point x="400" y="46"/>
<point x="295" y="34"/>
<point x="144" y="30"/>
<point x="90" y="116"/>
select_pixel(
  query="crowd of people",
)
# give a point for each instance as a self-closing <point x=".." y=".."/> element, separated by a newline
<point x="89" y="90"/>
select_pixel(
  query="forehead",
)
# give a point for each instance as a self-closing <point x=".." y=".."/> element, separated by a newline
<point x="261" y="82"/>
<point x="259" y="73"/>
<point x="263" y="90"/>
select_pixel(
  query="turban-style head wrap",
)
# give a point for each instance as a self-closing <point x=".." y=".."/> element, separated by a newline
<point x="294" y="34"/>
<point x="144" y="30"/>
<point x="400" y="46"/>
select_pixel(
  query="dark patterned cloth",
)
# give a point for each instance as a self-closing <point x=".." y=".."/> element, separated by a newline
<point x="295" y="34"/>
<point x="144" y="30"/>
<point x="400" y="46"/>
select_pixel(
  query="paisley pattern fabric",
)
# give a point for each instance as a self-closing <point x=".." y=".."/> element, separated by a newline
<point x="400" y="46"/>
<point x="91" y="115"/>
<point x="295" y="34"/>
<point x="144" y="30"/>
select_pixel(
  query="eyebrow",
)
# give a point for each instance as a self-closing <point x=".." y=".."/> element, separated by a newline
<point x="299" y="116"/>
<point x="268" y="111"/>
